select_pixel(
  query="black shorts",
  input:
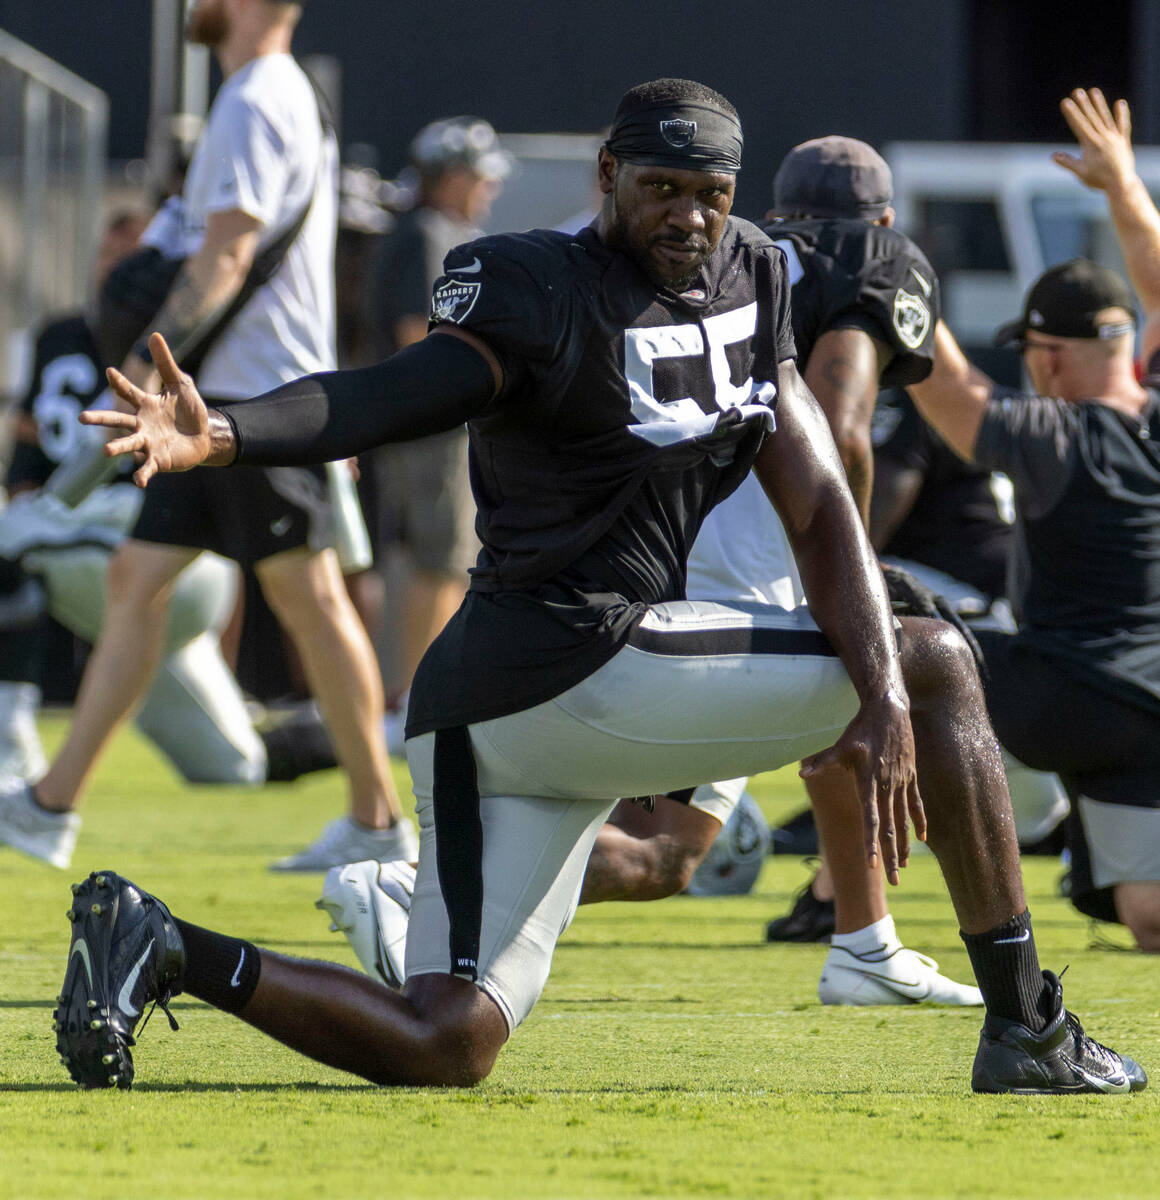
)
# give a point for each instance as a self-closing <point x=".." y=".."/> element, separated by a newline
<point x="1105" y="748"/>
<point x="244" y="513"/>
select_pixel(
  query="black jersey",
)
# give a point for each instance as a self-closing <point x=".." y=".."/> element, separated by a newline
<point x="1087" y="490"/>
<point x="627" y="413"/>
<point x="67" y="377"/>
<point x="852" y="274"/>
<point x="957" y="523"/>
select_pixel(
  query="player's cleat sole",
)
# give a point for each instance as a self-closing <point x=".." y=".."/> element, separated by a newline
<point x="27" y="827"/>
<point x="810" y="920"/>
<point x="1060" y="1060"/>
<point x="344" y="841"/>
<point x="370" y="902"/>
<point x="902" y="977"/>
<point x="125" y="952"/>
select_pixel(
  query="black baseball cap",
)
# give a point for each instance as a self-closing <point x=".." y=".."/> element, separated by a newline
<point x="834" y="177"/>
<point x="1066" y="301"/>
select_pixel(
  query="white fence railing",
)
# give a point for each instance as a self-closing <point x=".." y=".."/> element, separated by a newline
<point x="53" y="133"/>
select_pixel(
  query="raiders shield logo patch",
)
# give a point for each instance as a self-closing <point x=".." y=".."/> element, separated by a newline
<point x="453" y="301"/>
<point x="678" y="133"/>
<point x="911" y="319"/>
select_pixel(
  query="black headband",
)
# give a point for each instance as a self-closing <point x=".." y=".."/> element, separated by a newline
<point x="678" y="133"/>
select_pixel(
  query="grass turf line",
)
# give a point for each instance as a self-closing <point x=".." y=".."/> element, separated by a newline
<point x="673" y="1053"/>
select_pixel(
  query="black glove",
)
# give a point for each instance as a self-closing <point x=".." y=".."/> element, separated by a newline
<point x="911" y="598"/>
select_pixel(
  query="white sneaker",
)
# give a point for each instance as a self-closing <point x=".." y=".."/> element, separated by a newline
<point x="900" y="977"/>
<point x="25" y="826"/>
<point x="345" y="841"/>
<point x="371" y="903"/>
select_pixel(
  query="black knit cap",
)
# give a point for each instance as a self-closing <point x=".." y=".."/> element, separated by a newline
<point x="833" y="177"/>
<point x="1066" y="300"/>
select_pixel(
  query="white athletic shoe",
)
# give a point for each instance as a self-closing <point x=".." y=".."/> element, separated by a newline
<point x="371" y="903"/>
<point x="901" y="977"/>
<point x="25" y="826"/>
<point x="345" y="841"/>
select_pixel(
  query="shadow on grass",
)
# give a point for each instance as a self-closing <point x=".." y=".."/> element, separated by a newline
<point x="319" y="1088"/>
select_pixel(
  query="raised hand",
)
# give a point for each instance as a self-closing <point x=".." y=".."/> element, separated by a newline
<point x="164" y="431"/>
<point x="1105" y="139"/>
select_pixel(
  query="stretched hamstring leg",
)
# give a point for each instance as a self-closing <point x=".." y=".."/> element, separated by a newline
<point x="440" y="1031"/>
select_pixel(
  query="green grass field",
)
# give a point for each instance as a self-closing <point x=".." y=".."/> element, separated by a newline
<point x="673" y="1053"/>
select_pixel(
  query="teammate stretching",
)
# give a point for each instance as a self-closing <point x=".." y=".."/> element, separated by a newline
<point x="618" y="384"/>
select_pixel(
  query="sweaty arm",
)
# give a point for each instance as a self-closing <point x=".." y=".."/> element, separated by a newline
<point x="801" y="473"/>
<point x="433" y="386"/>
<point x="843" y="372"/>
<point x="953" y="398"/>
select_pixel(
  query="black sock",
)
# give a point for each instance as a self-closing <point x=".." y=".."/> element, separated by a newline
<point x="1006" y="967"/>
<point x="222" y="971"/>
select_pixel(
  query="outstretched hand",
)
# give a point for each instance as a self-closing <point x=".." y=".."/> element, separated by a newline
<point x="164" y="431"/>
<point x="878" y="748"/>
<point x="1105" y="139"/>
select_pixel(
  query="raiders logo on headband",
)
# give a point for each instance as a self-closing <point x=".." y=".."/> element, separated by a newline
<point x="678" y="133"/>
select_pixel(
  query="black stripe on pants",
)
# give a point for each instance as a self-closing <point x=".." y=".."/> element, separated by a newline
<point x="459" y="846"/>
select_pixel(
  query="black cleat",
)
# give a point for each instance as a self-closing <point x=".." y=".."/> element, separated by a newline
<point x="810" y="920"/>
<point x="125" y="953"/>
<point x="1061" y="1059"/>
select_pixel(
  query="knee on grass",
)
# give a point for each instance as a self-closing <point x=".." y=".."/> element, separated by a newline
<point x="1138" y="906"/>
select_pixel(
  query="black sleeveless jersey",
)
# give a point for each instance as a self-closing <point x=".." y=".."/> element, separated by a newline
<point x="67" y="377"/>
<point x="851" y="274"/>
<point x="626" y="414"/>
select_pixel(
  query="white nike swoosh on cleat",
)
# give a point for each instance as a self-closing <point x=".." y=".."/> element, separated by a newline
<point x="125" y="998"/>
<point x="1113" y="1083"/>
<point x="236" y="978"/>
<point x="81" y="947"/>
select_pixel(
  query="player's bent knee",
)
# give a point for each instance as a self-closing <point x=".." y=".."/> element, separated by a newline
<point x="1138" y="906"/>
<point x="937" y="663"/>
<point x="465" y="1029"/>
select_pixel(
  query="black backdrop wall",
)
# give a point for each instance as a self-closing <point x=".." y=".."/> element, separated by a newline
<point x="931" y="69"/>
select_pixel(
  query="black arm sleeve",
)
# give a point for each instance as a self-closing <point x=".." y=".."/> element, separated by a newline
<point x="430" y="387"/>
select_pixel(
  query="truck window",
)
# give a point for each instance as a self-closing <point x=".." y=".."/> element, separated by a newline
<point x="961" y="235"/>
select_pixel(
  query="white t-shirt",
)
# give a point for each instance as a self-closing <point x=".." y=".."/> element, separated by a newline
<point x="263" y="152"/>
<point x="742" y="553"/>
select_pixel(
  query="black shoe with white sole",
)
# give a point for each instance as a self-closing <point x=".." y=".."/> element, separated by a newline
<point x="810" y="920"/>
<point x="126" y="952"/>
<point x="1061" y="1059"/>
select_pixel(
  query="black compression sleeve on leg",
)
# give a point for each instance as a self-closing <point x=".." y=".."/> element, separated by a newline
<point x="430" y="387"/>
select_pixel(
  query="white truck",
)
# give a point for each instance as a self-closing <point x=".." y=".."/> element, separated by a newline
<point x="992" y="217"/>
